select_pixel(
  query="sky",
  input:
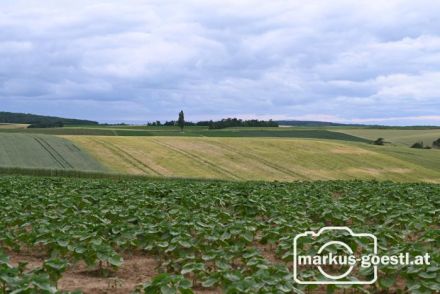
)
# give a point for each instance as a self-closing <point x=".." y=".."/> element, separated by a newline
<point x="136" y="61"/>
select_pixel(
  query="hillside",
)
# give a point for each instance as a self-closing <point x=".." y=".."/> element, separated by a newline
<point x="47" y="152"/>
<point x="26" y="118"/>
<point x="395" y="136"/>
<point x="260" y="158"/>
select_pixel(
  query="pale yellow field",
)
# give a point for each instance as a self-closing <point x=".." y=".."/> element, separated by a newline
<point x="254" y="158"/>
<point x="13" y="126"/>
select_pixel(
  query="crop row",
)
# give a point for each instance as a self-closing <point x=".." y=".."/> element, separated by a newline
<point x="231" y="236"/>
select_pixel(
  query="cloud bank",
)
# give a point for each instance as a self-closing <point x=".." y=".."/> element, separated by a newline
<point x="138" y="61"/>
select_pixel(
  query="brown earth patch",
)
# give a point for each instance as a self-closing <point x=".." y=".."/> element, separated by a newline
<point x="137" y="268"/>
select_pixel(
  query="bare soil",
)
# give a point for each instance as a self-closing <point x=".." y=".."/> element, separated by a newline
<point x="137" y="269"/>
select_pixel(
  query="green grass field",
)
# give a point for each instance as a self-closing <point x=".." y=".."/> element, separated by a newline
<point x="394" y="136"/>
<point x="40" y="151"/>
<point x="260" y="158"/>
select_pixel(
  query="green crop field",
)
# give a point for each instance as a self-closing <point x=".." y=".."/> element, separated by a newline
<point x="395" y="136"/>
<point x="40" y="151"/>
<point x="261" y="158"/>
<point x="191" y="132"/>
<point x="203" y="237"/>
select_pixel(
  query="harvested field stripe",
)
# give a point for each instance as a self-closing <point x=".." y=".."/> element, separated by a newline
<point x="134" y="161"/>
<point x="258" y="159"/>
<point x="118" y="154"/>
<point x="198" y="159"/>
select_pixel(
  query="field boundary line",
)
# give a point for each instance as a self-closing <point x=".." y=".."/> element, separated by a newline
<point x="131" y="159"/>
<point x="199" y="160"/>
<point x="260" y="159"/>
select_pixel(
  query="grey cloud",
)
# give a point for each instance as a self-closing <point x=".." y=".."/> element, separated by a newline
<point x="144" y="60"/>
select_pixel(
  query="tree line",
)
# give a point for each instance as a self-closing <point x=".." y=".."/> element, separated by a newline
<point x="220" y="124"/>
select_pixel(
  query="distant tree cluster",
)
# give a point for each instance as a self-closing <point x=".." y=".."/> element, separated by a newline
<point x="175" y="123"/>
<point x="156" y="123"/>
<point x="235" y="122"/>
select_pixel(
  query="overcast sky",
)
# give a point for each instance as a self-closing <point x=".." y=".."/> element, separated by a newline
<point x="137" y="61"/>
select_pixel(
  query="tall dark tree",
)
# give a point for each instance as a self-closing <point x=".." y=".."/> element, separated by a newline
<point x="181" y="120"/>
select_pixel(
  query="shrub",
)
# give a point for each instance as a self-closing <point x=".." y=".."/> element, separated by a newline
<point x="418" y="145"/>
<point x="379" y="141"/>
<point x="436" y="144"/>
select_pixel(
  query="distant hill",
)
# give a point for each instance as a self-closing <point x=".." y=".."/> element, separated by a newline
<point x="41" y="120"/>
<point x="311" y="123"/>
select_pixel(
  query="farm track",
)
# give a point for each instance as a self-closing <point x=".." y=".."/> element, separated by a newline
<point x="125" y="155"/>
<point x="205" y="162"/>
<point x="53" y="153"/>
<point x="259" y="159"/>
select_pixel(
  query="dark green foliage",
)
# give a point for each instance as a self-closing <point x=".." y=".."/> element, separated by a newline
<point x="165" y="283"/>
<point x="26" y="118"/>
<point x="211" y="233"/>
<point x="156" y="123"/>
<point x="235" y="122"/>
<point x="181" y="120"/>
<point x="172" y="123"/>
<point x="418" y="145"/>
<point x="58" y="124"/>
<point x="379" y="141"/>
<point x="436" y="144"/>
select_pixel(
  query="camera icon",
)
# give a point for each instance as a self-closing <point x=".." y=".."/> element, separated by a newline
<point x="333" y="256"/>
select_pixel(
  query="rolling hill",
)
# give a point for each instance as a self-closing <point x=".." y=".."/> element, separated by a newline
<point x="27" y="118"/>
<point x="405" y="137"/>
<point x="281" y="159"/>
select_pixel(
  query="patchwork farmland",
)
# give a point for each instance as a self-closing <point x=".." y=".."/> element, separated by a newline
<point x="158" y="220"/>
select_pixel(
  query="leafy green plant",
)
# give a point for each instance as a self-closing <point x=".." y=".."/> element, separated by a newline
<point x="237" y="237"/>
<point x="166" y="284"/>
